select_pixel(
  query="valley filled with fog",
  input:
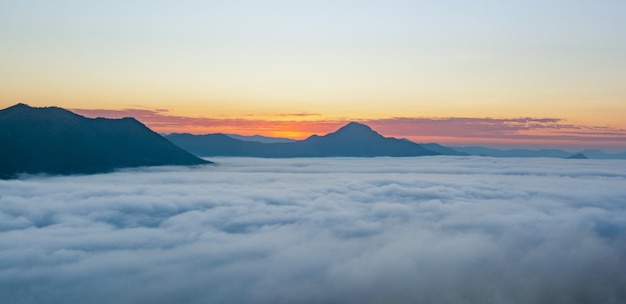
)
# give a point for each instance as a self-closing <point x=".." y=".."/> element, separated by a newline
<point x="318" y="230"/>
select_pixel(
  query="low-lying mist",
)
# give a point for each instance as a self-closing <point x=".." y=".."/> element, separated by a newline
<point x="338" y="230"/>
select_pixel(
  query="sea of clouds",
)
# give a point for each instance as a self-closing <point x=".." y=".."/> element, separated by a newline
<point x="336" y="230"/>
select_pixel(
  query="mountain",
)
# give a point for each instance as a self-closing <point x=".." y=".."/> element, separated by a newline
<point x="218" y="145"/>
<point x="578" y="156"/>
<point x="598" y="154"/>
<point x="353" y="140"/>
<point x="482" y="151"/>
<point x="443" y="150"/>
<point x="56" y="141"/>
<point x="261" y="139"/>
<point x="554" y="153"/>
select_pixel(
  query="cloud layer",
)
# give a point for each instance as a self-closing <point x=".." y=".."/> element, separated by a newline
<point x="375" y="230"/>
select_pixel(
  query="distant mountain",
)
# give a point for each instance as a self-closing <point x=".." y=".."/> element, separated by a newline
<point x="355" y="139"/>
<point x="578" y="156"/>
<point x="482" y="151"/>
<point x="56" y="141"/>
<point x="597" y="154"/>
<point x="219" y="145"/>
<point x="352" y="140"/>
<point x="554" y="153"/>
<point x="443" y="150"/>
<point x="261" y="139"/>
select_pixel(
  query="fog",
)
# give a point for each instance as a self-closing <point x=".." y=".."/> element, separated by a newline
<point x="337" y="230"/>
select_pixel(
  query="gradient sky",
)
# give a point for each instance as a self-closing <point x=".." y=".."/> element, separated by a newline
<point x="541" y="73"/>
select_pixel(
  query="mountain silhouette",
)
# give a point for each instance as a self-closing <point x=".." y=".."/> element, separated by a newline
<point x="598" y="154"/>
<point x="352" y="140"/>
<point x="483" y="151"/>
<point x="551" y="153"/>
<point x="578" y="156"/>
<point x="56" y="141"/>
<point x="443" y="150"/>
<point x="219" y="144"/>
<point x="261" y="139"/>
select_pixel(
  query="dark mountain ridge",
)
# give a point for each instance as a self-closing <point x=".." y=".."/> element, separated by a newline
<point x="352" y="140"/>
<point x="578" y="156"/>
<point x="598" y="154"/>
<point x="261" y="139"/>
<point x="56" y="141"/>
<point x="483" y="151"/>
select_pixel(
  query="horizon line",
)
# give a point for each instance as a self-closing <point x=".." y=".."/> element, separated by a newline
<point x="517" y="132"/>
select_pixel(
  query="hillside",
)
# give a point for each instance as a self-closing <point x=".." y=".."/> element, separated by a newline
<point x="56" y="141"/>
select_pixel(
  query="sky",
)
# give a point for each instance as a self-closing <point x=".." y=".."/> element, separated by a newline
<point x="341" y="230"/>
<point x="294" y="68"/>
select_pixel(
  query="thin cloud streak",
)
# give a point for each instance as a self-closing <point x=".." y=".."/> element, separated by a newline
<point x="298" y="114"/>
<point x="341" y="230"/>
<point x="455" y="130"/>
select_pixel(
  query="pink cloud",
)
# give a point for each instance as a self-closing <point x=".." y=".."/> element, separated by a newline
<point x="491" y="127"/>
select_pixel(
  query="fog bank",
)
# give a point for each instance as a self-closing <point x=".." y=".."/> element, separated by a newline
<point x="338" y="230"/>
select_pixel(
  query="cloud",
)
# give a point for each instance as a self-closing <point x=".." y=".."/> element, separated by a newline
<point x="409" y="230"/>
<point x="548" y="131"/>
<point x="298" y="114"/>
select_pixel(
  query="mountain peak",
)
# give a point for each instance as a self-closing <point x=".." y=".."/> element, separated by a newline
<point x="22" y="111"/>
<point x="356" y="129"/>
<point x="356" y="125"/>
<point x="578" y="156"/>
<point x="18" y="107"/>
<point x="21" y="106"/>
